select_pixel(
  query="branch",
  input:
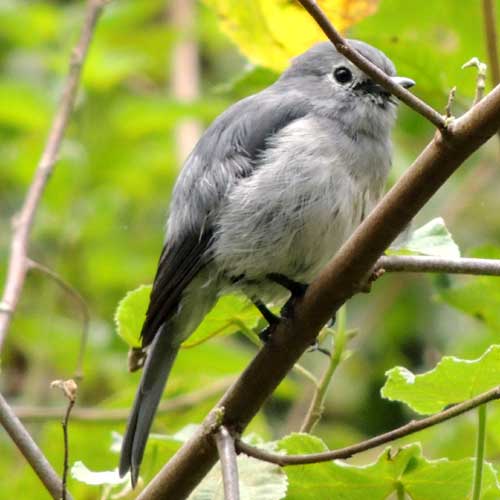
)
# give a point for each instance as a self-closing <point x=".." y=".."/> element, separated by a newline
<point x="370" y="69"/>
<point x="40" y="414"/>
<point x="69" y="389"/>
<point x="490" y="30"/>
<point x="30" y="451"/>
<point x="229" y="464"/>
<point x="418" y="264"/>
<point x="341" y="279"/>
<point x="349" y="451"/>
<point x="23" y="222"/>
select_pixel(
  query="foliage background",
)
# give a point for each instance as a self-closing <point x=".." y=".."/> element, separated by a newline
<point x="100" y="225"/>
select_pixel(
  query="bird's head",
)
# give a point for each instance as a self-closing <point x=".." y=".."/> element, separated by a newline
<point x="341" y="91"/>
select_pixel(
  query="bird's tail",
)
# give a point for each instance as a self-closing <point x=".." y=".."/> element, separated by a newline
<point x="156" y="370"/>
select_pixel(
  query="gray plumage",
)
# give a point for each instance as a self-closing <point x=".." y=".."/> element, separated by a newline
<point x="275" y="185"/>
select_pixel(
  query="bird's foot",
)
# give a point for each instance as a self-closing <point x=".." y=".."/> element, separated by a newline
<point x="315" y="347"/>
<point x="270" y="317"/>
<point x="294" y="287"/>
<point x="331" y="322"/>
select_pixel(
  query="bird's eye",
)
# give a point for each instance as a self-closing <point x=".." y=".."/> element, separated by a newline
<point x="342" y="74"/>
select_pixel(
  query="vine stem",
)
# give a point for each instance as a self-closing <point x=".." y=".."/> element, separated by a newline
<point x="317" y="406"/>
<point x="480" y="445"/>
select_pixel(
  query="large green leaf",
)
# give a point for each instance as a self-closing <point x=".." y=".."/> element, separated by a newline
<point x="231" y="314"/>
<point x="396" y="470"/>
<point x="453" y="380"/>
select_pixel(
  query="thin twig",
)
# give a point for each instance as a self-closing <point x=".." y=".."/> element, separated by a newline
<point x="370" y="69"/>
<point x="317" y="406"/>
<point x="69" y="389"/>
<point x="421" y="264"/>
<point x="228" y="462"/>
<point x="490" y="30"/>
<point x="480" y="446"/>
<point x="23" y="222"/>
<point x="349" y="451"/>
<point x="65" y="424"/>
<point x="41" y="414"/>
<point x="81" y="304"/>
<point x="30" y="451"/>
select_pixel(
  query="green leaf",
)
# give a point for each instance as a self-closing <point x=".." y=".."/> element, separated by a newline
<point x="257" y="480"/>
<point x="130" y="314"/>
<point x="433" y="239"/>
<point x="404" y="469"/>
<point x="479" y="298"/>
<point x="231" y="314"/>
<point x="453" y="380"/>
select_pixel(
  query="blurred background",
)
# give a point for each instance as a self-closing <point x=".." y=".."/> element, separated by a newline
<point x="158" y="72"/>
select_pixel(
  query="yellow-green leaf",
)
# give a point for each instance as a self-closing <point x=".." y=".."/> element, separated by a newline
<point x="270" y="32"/>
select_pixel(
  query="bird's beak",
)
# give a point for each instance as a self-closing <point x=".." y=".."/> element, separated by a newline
<point x="404" y="82"/>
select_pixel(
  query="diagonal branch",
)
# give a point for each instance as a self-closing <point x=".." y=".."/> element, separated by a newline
<point x="370" y="69"/>
<point x="23" y="221"/>
<point x="30" y="451"/>
<point x="369" y="444"/>
<point x="229" y="463"/>
<point x="341" y="279"/>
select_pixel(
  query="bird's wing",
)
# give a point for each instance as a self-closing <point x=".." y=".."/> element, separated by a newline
<point x="228" y="151"/>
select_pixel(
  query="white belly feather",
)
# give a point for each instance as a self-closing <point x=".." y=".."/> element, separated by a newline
<point x="297" y="209"/>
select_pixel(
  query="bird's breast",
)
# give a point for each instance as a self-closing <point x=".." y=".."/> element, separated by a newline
<point x="303" y="201"/>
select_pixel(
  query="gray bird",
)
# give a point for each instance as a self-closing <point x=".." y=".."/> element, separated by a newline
<point x="271" y="191"/>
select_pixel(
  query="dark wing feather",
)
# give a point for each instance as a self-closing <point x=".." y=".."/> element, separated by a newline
<point x="227" y="152"/>
<point x="176" y="268"/>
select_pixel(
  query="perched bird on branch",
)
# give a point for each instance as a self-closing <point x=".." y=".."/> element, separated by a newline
<point x="271" y="191"/>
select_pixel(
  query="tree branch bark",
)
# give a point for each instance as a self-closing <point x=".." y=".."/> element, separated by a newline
<point x="423" y="264"/>
<point x="23" y="222"/>
<point x="341" y="279"/>
<point x="349" y="451"/>
<point x="30" y="451"/>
